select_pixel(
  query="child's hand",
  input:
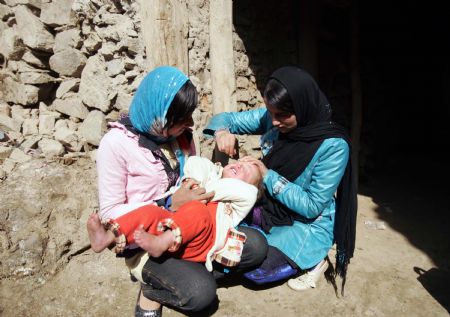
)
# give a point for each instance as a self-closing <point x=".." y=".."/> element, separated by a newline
<point x="194" y="185"/>
<point x="189" y="191"/>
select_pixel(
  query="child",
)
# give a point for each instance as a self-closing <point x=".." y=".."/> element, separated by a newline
<point x="196" y="231"/>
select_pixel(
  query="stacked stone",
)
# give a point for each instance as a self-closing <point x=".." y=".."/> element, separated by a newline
<point x="67" y="67"/>
<point x="247" y="94"/>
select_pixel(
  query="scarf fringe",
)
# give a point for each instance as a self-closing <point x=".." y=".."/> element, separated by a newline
<point x="340" y="269"/>
<point x="342" y="263"/>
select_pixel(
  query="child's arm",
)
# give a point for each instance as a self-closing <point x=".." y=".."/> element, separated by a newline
<point x="202" y="170"/>
<point x="240" y="195"/>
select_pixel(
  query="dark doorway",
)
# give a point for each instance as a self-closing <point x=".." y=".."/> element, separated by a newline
<point x="405" y="82"/>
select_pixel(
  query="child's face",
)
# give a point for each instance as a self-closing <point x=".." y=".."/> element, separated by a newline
<point x="244" y="171"/>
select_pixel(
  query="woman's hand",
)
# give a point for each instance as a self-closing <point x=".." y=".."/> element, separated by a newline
<point x="262" y="168"/>
<point x="226" y="142"/>
<point x="189" y="191"/>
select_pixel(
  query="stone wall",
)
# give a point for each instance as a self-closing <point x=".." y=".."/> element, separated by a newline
<point x="70" y="66"/>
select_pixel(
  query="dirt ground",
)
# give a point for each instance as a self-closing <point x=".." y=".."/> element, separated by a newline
<point x="400" y="267"/>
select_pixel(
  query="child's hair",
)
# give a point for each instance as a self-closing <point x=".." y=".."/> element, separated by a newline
<point x="259" y="185"/>
<point x="259" y="180"/>
<point x="261" y="190"/>
<point x="183" y="104"/>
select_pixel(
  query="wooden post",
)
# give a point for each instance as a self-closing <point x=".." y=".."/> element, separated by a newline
<point x="223" y="80"/>
<point x="356" y="89"/>
<point x="164" y="25"/>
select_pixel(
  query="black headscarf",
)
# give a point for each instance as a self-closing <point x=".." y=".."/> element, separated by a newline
<point x="293" y="151"/>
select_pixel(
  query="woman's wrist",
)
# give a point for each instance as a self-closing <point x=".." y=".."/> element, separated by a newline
<point x="220" y="131"/>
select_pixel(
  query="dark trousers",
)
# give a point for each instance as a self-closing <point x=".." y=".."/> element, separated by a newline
<point x="188" y="286"/>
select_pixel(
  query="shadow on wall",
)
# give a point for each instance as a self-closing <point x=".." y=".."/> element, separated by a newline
<point x="271" y="32"/>
<point x="268" y="43"/>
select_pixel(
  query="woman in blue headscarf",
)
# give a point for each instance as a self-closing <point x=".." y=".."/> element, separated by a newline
<point x="138" y="160"/>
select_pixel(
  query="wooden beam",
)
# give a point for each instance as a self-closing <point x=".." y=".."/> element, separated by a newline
<point x="164" y="25"/>
<point x="223" y="80"/>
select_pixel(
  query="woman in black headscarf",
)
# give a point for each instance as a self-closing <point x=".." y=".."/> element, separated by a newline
<point x="309" y="201"/>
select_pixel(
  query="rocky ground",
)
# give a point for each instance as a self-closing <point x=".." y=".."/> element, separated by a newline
<point x="400" y="268"/>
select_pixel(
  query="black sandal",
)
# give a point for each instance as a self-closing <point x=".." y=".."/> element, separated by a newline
<point x="140" y="312"/>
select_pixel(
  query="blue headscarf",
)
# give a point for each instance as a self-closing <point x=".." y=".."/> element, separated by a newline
<point x="152" y="100"/>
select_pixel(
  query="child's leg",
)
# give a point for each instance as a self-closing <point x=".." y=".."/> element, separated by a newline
<point x="145" y="217"/>
<point x="196" y="222"/>
<point x="99" y="237"/>
<point x="121" y="229"/>
<point x="191" y="227"/>
<point x="155" y="245"/>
